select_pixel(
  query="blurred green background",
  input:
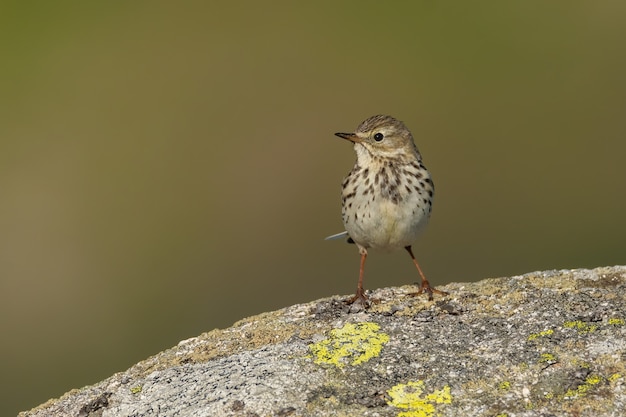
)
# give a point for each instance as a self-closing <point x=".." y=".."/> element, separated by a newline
<point x="170" y="167"/>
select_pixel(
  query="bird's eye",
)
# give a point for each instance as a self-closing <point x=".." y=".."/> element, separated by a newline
<point x="378" y="137"/>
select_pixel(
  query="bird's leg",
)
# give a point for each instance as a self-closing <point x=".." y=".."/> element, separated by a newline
<point x="360" y="296"/>
<point x="424" y="285"/>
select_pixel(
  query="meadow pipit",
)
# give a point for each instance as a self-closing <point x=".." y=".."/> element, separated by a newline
<point x="387" y="197"/>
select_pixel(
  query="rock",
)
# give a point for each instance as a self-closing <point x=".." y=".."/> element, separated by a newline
<point x="540" y="344"/>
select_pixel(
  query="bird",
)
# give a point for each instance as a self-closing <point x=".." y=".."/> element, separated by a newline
<point x="387" y="197"/>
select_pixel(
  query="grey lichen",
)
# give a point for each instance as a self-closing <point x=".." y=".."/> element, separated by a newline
<point x="538" y="344"/>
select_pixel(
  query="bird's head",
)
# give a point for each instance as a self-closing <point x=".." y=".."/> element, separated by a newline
<point x="383" y="136"/>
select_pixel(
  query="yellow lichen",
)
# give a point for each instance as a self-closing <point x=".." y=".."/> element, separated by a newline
<point x="353" y="344"/>
<point x="410" y="397"/>
<point x="136" y="390"/>
<point x="547" y="357"/>
<point x="543" y="333"/>
<point x="582" y="389"/>
<point x="616" y="321"/>
<point x="593" y="380"/>
<point x="614" y="377"/>
<point x="505" y="385"/>
<point x="581" y="363"/>
<point x="581" y="326"/>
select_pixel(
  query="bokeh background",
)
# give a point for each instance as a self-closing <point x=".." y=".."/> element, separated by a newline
<point x="167" y="168"/>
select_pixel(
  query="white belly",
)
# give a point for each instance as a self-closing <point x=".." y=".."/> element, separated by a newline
<point x="387" y="225"/>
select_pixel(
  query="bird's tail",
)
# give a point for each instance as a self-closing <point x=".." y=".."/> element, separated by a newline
<point x="337" y="236"/>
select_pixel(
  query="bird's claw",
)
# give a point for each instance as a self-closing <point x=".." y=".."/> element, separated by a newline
<point x="425" y="288"/>
<point x="358" y="298"/>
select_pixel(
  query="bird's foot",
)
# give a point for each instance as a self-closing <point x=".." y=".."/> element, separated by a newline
<point x="425" y="288"/>
<point x="358" y="298"/>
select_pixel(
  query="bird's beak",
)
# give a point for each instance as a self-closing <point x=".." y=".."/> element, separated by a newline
<point x="352" y="137"/>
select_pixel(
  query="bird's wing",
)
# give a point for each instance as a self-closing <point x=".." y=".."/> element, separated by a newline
<point x="337" y="236"/>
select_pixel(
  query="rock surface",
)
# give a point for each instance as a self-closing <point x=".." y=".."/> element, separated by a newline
<point x="541" y="344"/>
